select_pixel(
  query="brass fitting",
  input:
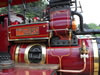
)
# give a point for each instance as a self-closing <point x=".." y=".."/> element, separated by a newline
<point x="84" y="49"/>
<point x="70" y="35"/>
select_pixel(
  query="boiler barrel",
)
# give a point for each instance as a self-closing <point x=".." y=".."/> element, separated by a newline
<point x="28" y="53"/>
<point x="70" y="60"/>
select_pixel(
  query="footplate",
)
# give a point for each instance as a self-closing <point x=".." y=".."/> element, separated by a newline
<point x="32" y="69"/>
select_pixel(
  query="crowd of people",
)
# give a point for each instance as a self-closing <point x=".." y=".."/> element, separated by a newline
<point x="15" y="19"/>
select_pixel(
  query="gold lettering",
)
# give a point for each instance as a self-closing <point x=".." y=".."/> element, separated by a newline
<point x="27" y="31"/>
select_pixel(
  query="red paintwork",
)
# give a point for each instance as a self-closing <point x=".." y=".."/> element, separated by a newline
<point x="71" y="61"/>
<point x="22" y="71"/>
<point x="4" y="36"/>
<point x="60" y="19"/>
<point x="4" y="3"/>
<point x="21" y="52"/>
<point x="43" y="27"/>
<point x="12" y="51"/>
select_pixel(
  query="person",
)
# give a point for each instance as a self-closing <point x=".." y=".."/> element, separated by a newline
<point x="14" y="18"/>
<point x="35" y="19"/>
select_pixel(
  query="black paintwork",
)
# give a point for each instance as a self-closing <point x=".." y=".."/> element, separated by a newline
<point x="35" y="54"/>
<point x="56" y="42"/>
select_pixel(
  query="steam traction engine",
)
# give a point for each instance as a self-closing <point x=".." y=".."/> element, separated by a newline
<point x="50" y="47"/>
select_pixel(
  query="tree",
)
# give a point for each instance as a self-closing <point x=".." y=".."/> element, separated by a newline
<point x="32" y="9"/>
<point x="86" y="26"/>
<point x="92" y="25"/>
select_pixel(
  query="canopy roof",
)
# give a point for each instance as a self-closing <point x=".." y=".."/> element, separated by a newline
<point x="4" y="3"/>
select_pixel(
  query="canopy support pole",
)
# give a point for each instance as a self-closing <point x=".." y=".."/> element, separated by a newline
<point x="9" y="5"/>
<point x="24" y="4"/>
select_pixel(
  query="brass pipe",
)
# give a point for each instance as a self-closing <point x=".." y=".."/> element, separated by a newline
<point x="75" y="71"/>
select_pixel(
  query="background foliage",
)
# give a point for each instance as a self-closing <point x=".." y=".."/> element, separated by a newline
<point x="32" y="9"/>
<point x="92" y="26"/>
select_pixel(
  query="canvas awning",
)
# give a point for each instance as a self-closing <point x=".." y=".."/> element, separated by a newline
<point x="4" y="3"/>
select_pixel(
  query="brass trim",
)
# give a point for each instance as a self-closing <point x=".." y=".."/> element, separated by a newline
<point x="28" y="24"/>
<point x="27" y="39"/>
<point x="75" y="71"/>
<point x="17" y="53"/>
<point x="27" y="73"/>
<point x="27" y="53"/>
<point x="90" y="64"/>
<point x="53" y="23"/>
<point x="60" y="57"/>
<point x="43" y="73"/>
<point x="43" y="54"/>
<point x="96" y="57"/>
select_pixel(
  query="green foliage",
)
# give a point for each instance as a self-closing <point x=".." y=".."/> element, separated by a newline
<point x="3" y="10"/>
<point x="92" y="26"/>
<point x="35" y="9"/>
<point x="32" y="9"/>
<point x="86" y="26"/>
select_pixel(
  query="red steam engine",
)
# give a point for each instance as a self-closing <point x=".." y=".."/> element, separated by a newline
<point x="49" y="47"/>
